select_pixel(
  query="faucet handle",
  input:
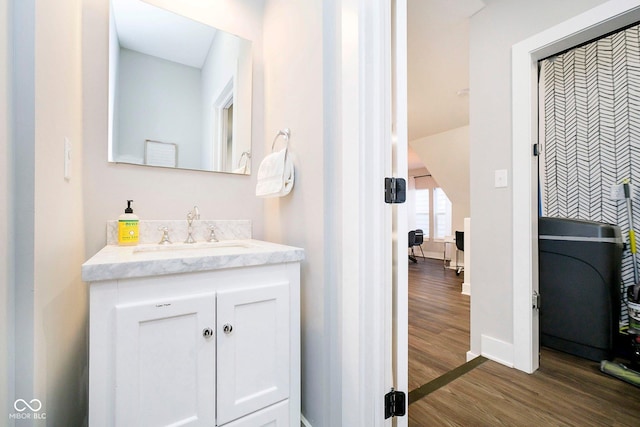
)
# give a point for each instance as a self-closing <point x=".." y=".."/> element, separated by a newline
<point x="212" y="234"/>
<point x="165" y="236"/>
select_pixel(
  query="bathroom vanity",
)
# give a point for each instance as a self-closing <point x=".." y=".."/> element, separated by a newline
<point x="195" y="334"/>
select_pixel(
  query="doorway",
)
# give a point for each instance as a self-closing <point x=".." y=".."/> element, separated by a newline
<point x="588" y="26"/>
<point x="438" y="68"/>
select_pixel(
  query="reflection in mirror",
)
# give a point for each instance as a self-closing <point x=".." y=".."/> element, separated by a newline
<point x="179" y="91"/>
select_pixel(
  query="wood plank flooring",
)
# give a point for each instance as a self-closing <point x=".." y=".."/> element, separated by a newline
<point x="438" y="321"/>
<point x="565" y="391"/>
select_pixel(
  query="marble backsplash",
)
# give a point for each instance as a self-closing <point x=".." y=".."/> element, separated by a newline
<point x="149" y="233"/>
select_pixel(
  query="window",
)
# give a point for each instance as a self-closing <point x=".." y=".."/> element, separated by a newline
<point x="441" y="214"/>
<point x="422" y="211"/>
<point x="433" y="213"/>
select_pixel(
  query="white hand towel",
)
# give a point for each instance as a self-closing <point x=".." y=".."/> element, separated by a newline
<point x="275" y="175"/>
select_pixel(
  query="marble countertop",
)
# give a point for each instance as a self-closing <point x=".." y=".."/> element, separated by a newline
<point x="121" y="262"/>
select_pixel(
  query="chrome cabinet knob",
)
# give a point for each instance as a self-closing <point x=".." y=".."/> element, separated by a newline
<point x="227" y="328"/>
<point x="207" y="332"/>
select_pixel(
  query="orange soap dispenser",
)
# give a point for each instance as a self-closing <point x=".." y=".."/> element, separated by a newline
<point x="128" y="227"/>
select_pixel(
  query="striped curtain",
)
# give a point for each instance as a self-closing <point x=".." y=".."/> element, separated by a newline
<point x="590" y="133"/>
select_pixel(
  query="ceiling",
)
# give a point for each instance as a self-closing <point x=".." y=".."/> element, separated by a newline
<point x="438" y="65"/>
<point x="160" y="33"/>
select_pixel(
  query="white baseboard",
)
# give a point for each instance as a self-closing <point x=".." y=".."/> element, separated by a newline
<point x="432" y="255"/>
<point x="304" y="422"/>
<point x="497" y="350"/>
<point x="466" y="288"/>
<point x="471" y="356"/>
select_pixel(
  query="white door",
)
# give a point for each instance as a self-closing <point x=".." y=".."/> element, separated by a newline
<point x="253" y="349"/>
<point x="373" y="236"/>
<point x="273" y="416"/>
<point x="165" y="362"/>
<point x="400" y="323"/>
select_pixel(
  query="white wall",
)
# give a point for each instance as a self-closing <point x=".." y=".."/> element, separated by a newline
<point x="446" y="156"/>
<point x="219" y="69"/>
<point x="60" y="307"/>
<point x="50" y="299"/>
<point x="23" y="193"/>
<point x="293" y="48"/>
<point x="6" y="320"/>
<point x="159" y="100"/>
<point x="160" y="193"/>
<point x="493" y="31"/>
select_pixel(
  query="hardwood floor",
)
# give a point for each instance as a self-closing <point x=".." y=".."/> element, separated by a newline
<point x="438" y="321"/>
<point x="565" y="391"/>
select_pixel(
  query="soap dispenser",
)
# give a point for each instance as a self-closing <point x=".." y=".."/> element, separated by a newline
<point x="128" y="227"/>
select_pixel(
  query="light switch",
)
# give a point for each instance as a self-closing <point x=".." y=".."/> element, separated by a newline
<point x="67" y="159"/>
<point x="501" y="178"/>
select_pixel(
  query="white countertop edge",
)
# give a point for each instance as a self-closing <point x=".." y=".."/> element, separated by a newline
<point x="117" y="262"/>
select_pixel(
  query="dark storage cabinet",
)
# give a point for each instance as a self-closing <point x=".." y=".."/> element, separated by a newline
<point x="580" y="263"/>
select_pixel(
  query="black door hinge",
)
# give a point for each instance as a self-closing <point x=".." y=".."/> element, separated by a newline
<point x="536" y="150"/>
<point x="395" y="404"/>
<point x="395" y="190"/>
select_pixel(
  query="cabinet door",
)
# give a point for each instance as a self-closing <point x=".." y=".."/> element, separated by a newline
<point x="273" y="416"/>
<point x="165" y="363"/>
<point x="253" y="349"/>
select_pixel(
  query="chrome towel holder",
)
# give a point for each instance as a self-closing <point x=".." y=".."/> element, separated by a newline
<point x="286" y="133"/>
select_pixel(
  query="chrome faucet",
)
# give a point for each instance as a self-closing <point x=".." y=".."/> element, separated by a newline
<point x="191" y="216"/>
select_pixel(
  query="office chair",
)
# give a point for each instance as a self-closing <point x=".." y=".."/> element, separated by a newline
<point x="419" y="240"/>
<point x="459" y="247"/>
<point x="412" y="243"/>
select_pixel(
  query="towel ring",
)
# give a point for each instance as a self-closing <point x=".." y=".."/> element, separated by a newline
<point x="246" y="155"/>
<point x="285" y="133"/>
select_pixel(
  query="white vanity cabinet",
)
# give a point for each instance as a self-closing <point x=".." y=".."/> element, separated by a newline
<point x="253" y="349"/>
<point x="209" y="348"/>
<point x="164" y="368"/>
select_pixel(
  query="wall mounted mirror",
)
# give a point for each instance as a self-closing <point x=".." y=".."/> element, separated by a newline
<point x="179" y="92"/>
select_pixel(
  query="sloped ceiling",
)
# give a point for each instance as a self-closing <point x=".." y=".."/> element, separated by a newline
<point x="157" y="32"/>
<point x="438" y="64"/>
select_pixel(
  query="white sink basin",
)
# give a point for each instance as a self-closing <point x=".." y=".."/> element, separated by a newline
<point x="199" y="246"/>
